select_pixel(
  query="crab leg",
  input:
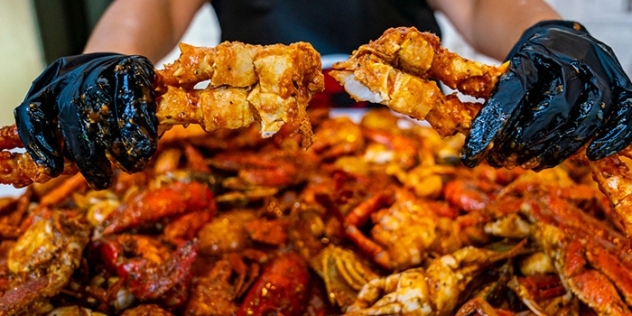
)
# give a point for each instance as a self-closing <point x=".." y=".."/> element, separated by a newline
<point x="268" y="85"/>
<point x="398" y="90"/>
<point x="395" y="70"/>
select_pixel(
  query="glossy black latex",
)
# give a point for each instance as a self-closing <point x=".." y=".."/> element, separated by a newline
<point x="564" y="89"/>
<point x="87" y="107"/>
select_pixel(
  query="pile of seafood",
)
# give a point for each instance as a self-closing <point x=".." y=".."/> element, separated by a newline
<point x="401" y="69"/>
<point x="377" y="217"/>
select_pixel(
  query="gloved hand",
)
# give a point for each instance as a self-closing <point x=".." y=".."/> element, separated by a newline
<point x="86" y="107"/>
<point x="563" y="89"/>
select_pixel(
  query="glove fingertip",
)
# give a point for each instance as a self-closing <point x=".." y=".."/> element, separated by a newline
<point x="132" y="150"/>
<point x="473" y="152"/>
<point x="486" y="127"/>
<point x="97" y="171"/>
<point x="81" y="148"/>
<point x="602" y="148"/>
<point x="37" y="133"/>
<point x="616" y="134"/>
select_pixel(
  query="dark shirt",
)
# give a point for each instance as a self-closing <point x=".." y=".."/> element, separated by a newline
<point x="331" y="26"/>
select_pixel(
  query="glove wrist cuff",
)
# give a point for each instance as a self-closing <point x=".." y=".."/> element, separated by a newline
<point x="563" y="24"/>
<point x="541" y="26"/>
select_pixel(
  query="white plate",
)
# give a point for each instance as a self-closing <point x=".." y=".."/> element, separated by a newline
<point x="10" y="191"/>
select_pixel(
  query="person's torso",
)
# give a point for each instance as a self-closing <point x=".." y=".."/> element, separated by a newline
<point x="331" y="26"/>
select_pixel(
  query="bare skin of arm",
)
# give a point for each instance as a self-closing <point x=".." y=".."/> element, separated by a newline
<point x="146" y="27"/>
<point x="493" y="27"/>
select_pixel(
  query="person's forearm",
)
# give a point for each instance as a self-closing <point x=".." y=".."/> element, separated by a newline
<point x="145" y="27"/>
<point x="492" y="27"/>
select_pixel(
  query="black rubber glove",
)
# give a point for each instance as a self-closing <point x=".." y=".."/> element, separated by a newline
<point x="84" y="107"/>
<point x="563" y="89"/>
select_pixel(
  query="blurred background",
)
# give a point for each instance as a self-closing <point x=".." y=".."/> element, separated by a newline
<point x="34" y="33"/>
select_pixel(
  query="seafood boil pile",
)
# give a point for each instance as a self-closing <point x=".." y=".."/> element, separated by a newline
<point x="398" y="69"/>
<point x="377" y="217"/>
<point x="242" y="215"/>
